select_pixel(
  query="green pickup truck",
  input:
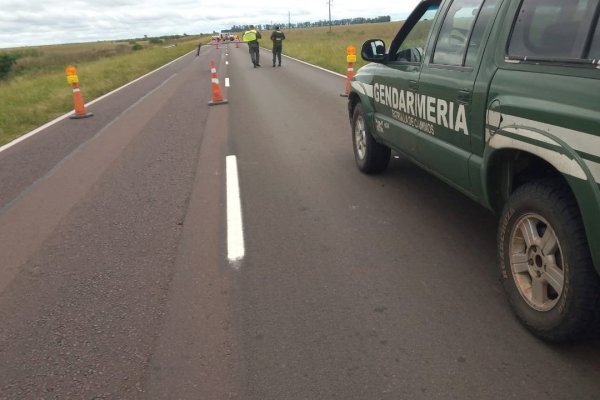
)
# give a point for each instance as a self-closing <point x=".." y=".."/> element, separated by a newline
<point x="501" y="100"/>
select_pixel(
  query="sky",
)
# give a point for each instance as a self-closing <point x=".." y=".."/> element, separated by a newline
<point x="42" y="22"/>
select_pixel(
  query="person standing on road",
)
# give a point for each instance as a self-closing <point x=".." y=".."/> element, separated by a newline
<point x="277" y="37"/>
<point x="251" y="37"/>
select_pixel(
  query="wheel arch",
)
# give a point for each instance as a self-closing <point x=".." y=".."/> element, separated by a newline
<point x="361" y="93"/>
<point x="353" y="100"/>
<point x="510" y="163"/>
<point x="508" y="168"/>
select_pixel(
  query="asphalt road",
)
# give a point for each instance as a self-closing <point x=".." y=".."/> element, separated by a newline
<point x="115" y="273"/>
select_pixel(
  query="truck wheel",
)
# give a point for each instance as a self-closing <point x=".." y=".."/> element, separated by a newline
<point x="371" y="157"/>
<point x="546" y="267"/>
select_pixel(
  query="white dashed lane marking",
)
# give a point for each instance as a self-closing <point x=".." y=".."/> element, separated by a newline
<point x="235" y="226"/>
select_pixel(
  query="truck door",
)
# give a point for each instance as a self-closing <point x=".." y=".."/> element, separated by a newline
<point x="445" y="88"/>
<point x="396" y="80"/>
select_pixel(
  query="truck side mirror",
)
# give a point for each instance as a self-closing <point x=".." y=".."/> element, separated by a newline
<point x="373" y="50"/>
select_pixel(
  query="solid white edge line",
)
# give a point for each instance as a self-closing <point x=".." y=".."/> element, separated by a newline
<point x="306" y="63"/>
<point x="54" y="121"/>
<point x="235" y="228"/>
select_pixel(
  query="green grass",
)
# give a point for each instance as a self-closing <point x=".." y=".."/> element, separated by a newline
<point x="37" y="91"/>
<point x="327" y="49"/>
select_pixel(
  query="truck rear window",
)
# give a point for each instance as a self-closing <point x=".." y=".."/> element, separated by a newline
<point x="553" y="29"/>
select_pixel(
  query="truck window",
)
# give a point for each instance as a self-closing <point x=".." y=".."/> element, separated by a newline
<point x="484" y="19"/>
<point x="454" y="35"/>
<point x="551" y="29"/>
<point x="411" y="49"/>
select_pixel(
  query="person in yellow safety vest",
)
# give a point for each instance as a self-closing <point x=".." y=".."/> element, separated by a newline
<point x="251" y="37"/>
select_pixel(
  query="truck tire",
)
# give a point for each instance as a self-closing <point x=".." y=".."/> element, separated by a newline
<point x="546" y="266"/>
<point x="371" y="157"/>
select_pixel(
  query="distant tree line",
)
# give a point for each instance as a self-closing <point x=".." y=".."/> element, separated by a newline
<point x="345" y="21"/>
<point x="155" y="39"/>
<point x="151" y="40"/>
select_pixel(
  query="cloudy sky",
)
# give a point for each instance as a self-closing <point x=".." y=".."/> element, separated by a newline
<point x="32" y="23"/>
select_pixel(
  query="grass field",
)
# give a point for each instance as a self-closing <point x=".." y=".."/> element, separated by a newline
<point x="327" y="49"/>
<point x="37" y="91"/>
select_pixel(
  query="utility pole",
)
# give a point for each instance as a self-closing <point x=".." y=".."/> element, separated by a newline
<point x="289" y="20"/>
<point x="329" y="3"/>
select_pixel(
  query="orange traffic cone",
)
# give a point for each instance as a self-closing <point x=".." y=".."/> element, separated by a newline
<point x="217" y="96"/>
<point x="78" y="102"/>
<point x="349" y="77"/>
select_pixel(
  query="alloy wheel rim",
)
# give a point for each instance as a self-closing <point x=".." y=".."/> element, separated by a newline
<point x="536" y="262"/>
<point x="360" y="140"/>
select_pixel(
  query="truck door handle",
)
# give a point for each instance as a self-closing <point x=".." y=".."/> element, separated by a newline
<point x="464" y="95"/>
<point x="413" y="85"/>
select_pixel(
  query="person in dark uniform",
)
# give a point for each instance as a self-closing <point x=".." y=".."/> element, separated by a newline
<point x="251" y="37"/>
<point x="277" y="37"/>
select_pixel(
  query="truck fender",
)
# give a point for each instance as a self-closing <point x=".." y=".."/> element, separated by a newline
<point x="545" y="144"/>
<point x="361" y="93"/>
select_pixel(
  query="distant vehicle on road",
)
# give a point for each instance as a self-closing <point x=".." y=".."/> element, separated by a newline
<point x="499" y="98"/>
<point x="227" y="37"/>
